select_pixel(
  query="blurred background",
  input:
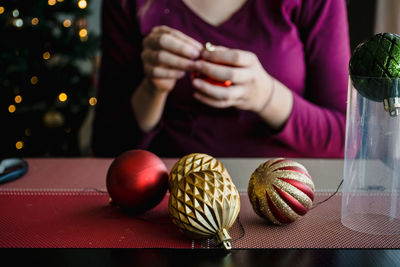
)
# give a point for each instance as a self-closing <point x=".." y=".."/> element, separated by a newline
<point x="49" y="60"/>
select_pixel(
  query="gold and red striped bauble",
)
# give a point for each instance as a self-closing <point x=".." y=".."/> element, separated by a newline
<point x="281" y="191"/>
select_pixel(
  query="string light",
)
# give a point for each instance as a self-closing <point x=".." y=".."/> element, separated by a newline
<point x="46" y="55"/>
<point x="28" y="132"/>
<point x="18" y="99"/>
<point x="19" y="145"/>
<point x="92" y="101"/>
<point x="60" y="1"/>
<point x="35" y="21"/>
<point x="67" y="23"/>
<point x="51" y="2"/>
<point x="11" y="108"/>
<point x="82" y="4"/>
<point x="1" y="10"/>
<point x="62" y="97"/>
<point x="34" y="80"/>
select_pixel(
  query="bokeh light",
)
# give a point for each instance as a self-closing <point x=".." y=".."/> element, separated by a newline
<point x="18" y="99"/>
<point x="92" y="101"/>
<point x="19" y="145"/>
<point x="35" y="21"/>
<point x="67" y="23"/>
<point x="83" y="33"/>
<point x="62" y="97"/>
<point x="82" y="4"/>
<point x="11" y="108"/>
<point x="46" y="55"/>
<point x="34" y="80"/>
<point x="15" y="13"/>
<point x="18" y="23"/>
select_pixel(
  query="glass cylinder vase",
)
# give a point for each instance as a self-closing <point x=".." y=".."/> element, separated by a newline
<point x="370" y="196"/>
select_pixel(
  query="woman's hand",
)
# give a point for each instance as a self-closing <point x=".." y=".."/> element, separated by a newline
<point x="252" y="87"/>
<point x="251" y="84"/>
<point x="167" y="54"/>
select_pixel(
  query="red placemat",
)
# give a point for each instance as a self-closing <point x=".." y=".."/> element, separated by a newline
<point x="85" y="220"/>
<point x="81" y="220"/>
<point x="321" y="227"/>
<point x="65" y="174"/>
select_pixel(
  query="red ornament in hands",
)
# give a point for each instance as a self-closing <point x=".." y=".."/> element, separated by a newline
<point x="137" y="181"/>
<point x="195" y="74"/>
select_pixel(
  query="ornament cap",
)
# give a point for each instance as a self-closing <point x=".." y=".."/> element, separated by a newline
<point x="224" y="239"/>
<point x="392" y="105"/>
<point x="209" y="47"/>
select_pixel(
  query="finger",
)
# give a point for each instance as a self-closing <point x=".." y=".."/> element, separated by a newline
<point x="213" y="91"/>
<point x="163" y="57"/>
<point x="168" y="41"/>
<point x="216" y="48"/>
<point x="187" y="39"/>
<point x="233" y="57"/>
<point x="178" y="34"/>
<point x="162" y="72"/>
<point x="212" y="101"/>
<point x="223" y="73"/>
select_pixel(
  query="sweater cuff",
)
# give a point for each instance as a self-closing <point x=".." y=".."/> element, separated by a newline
<point x="145" y="138"/>
<point x="289" y="134"/>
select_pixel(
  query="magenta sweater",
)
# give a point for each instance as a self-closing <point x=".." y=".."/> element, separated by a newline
<point x="302" y="43"/>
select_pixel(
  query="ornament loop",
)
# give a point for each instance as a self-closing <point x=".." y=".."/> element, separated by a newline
<point x="224" y="238"/>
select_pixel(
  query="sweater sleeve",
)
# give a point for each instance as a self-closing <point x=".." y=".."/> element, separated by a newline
<point x="316" y="124"/>
<point x="115" y="128"/>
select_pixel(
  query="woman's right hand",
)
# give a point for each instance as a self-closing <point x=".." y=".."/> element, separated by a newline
<point x="167" y="54"/>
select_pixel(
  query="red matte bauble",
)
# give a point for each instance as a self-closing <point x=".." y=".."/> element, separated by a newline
<point x="137" y="180"/>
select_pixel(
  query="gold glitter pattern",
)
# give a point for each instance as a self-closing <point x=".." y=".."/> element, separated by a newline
<point x="195" y="162"/>
<point x="204" y="203"/>
<point x="267" y="177"/>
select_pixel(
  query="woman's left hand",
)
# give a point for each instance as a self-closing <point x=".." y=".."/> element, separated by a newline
<point x="252" y="86"/>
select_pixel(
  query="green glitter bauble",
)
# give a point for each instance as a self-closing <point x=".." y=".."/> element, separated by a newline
<point x="375" y="67"/>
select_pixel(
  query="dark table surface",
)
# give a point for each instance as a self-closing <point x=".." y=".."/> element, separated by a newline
<point x="200" y="257"/>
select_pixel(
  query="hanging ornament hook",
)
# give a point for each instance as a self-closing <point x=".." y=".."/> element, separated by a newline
<point x="224" y="239"/>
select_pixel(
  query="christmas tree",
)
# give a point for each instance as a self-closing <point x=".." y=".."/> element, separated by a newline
<point x="46" y="76"/>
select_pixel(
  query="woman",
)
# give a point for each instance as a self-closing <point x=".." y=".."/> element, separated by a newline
<point x="287" y="61"/>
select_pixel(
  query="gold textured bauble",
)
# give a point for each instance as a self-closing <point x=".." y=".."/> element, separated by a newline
<point x="205" y="204"/>
<point x="195" y="162"/>
<point x="281" y="191"/>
